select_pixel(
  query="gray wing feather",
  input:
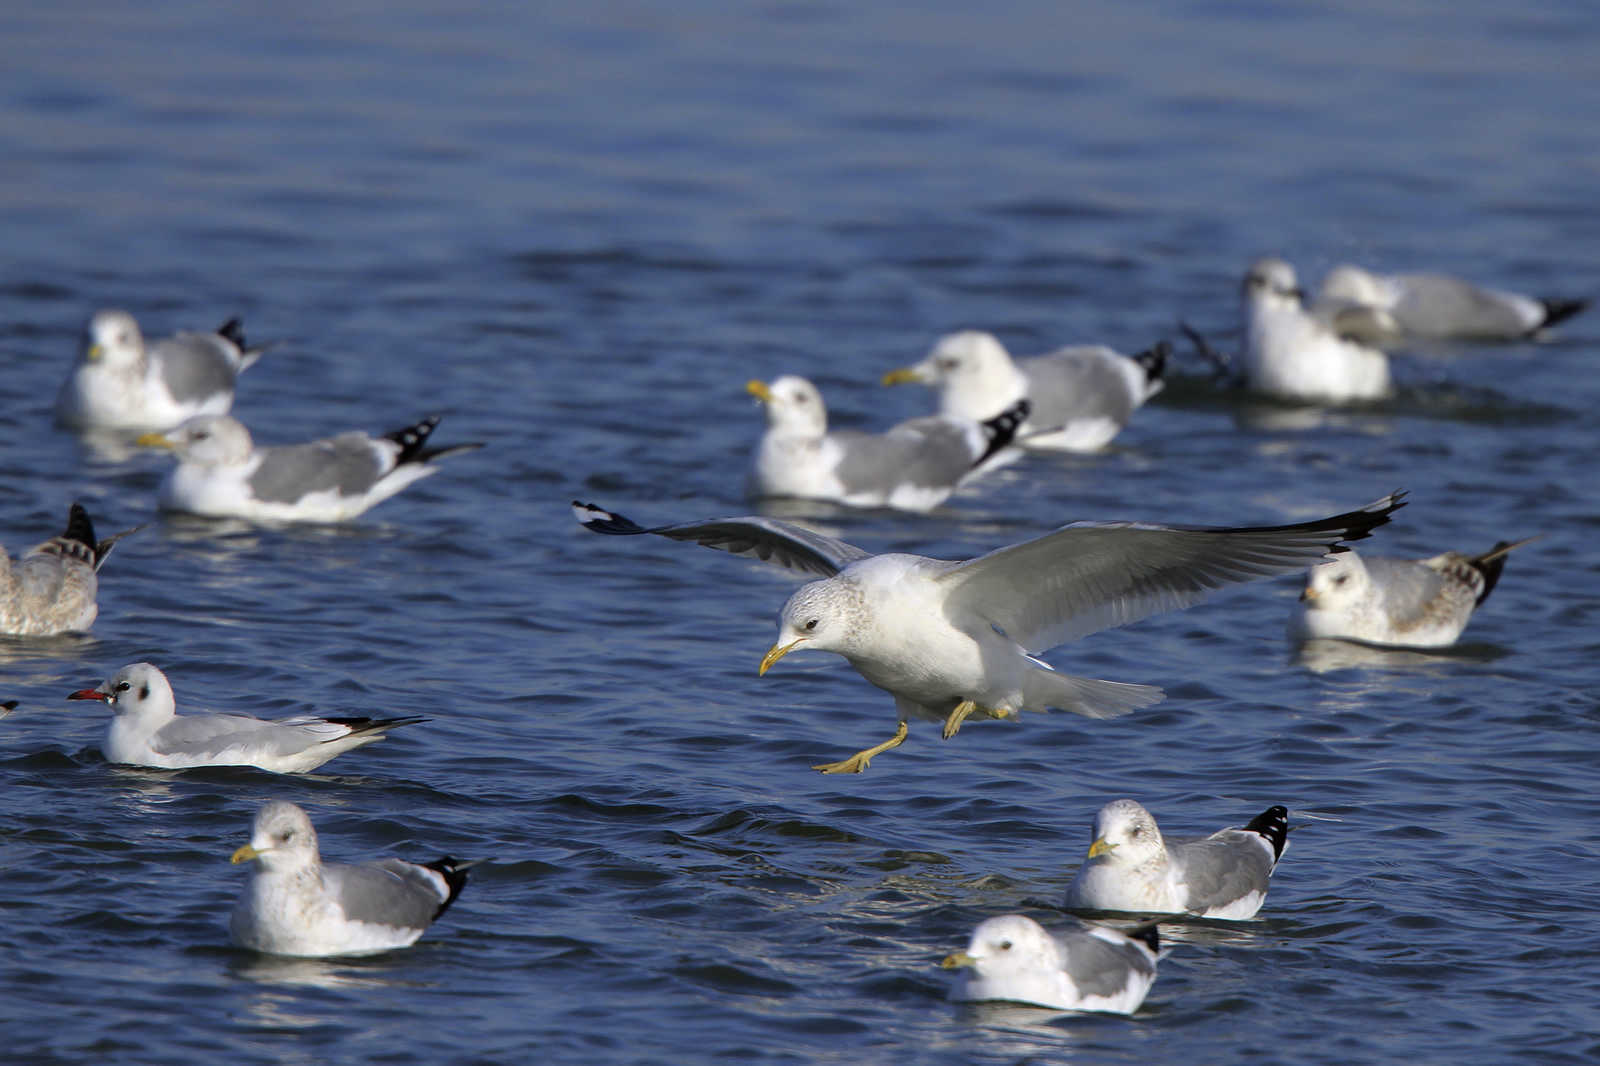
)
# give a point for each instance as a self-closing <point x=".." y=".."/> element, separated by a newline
<point x="390" y="892"/>
<point x="1432" y="305"/>
<point x="1222" y="868"/>
<point x="1090" y="576"/>
<point x="933" y="452"/>
<point x="1099" y="968"/>
<point x="1410" y="593"/>
<point x="214" y="735"/>
<point x="349" y="464"/>
<point x="194" y="365"/>
<point x="1076" y="383"/>
<point x="779" y="543"/>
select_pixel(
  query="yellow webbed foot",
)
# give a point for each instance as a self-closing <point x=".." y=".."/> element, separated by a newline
<point x="859" y="761"/>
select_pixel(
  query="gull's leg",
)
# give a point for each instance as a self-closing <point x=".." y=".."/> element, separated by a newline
<point x="858" y="762"/>
<point x="952" y="724"/>
<point x="1002" y="712"/>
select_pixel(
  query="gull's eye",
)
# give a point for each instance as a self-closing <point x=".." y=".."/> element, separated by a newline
<point x="948" y="364"/>
<point x="1005" y="945"/>
<point x="123" y="686"/>
<point x="1136" y="831"/>
<point x="1341" y="579"/>
<point x="286" y="836"/>
<point x="811" y="625"/>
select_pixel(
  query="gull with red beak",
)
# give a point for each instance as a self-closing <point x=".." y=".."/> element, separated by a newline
<point x="146" y="730"/>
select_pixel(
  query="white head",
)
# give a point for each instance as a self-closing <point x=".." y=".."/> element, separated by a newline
<point x="1271" y="283"/>
<point x="825" y="615"/>
<point x="1335" y="584"/>
<point x="112" y="338"/>
<point x="1011" y="945"/>
<point x="281" y="839"/>
<point x="209" y="440"/>
<point x="970" y="355"/>
<point x="1348" y="284"/>
<point x="138" y="692"/>
<point x="794" y="406"/>
<point x="1125" y="834"/>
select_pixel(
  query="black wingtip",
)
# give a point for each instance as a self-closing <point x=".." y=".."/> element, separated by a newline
<point x="79" y="528"/>
<point x="1001" y="430"/>
<point x="232" y="331"/>
<point x="412" y="438"/>
<point x="454" y="872"/>
<point x="1154" y="361"/>
<point x="8" y="705"/>
<point x="1149" y="936"/>
<point x="1218" y="360"/>
<point x="374" y="725"/>
<point x="1359" y="524"/>
<point x="1490" y="564"/>
<point x="599" y="520"/>
<point x="1272" y="825"/>
<point x="1560" y="310"/>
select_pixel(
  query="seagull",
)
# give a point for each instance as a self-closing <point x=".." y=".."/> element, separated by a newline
<point x="1386" y="309"/>
<point x="146" y="730"/>
<point x="915" y="466"/>
<point x="1081" y="396"/>
<point x="1413" y="603"/>
<point x="52" y="588"/>
<point x="221" y="473"/>
<point x="1131" y="869"/>
<point x="1092" y="968"/>
<point x="296" y="904"/>
<point x="949" y="639"/>
<point x="120" y="383"/>
<point x="1293" y="354"/>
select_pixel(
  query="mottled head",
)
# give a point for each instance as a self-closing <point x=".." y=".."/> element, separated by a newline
<point x="1335" y="584"/>
<point x="1010" y="945"/>
<point x="794" y="406"/>
<point x="1125" y="834"/>
<point x="138" y="691"/>
<point x="281" y="839"/>
<point x="1271" y="283"/>
<point x="209" y="440"/>
<point x="1348" y="284"/>
<point x="825" y="615"/>
<point x="112" y="338"/>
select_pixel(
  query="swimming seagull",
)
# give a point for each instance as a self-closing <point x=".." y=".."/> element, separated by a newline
<point x="949" y="639"/>
<point x="120" y="383"/>
<point x="1081" y="396"/>
<point x="915" y="466"/>
<point x="1294" y="354"/>
<point x="1093" y="968"/>
<point x="221" y="473"/>
<point x="1131" y="869"/>
<point x="296" y="904"/>
<point x="146" y="730"/>
<point x="1414" y="603"/>
<point x="1383" y="309"/>
<point x="53" y="588"/>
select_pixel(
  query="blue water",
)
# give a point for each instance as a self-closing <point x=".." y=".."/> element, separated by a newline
<point x="575" y="234"/>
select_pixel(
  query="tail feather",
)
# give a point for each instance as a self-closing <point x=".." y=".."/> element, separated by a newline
<point x="1086" y="696"/>
<point x="1560" y="310"/>
<point x="1148" y="935"/>
<point x="1154" y="361"/>
<point x="79" y="528"/>
<point x="454" y="872"/>
<point x="232" y="331"/>
<point x="1491" y="562"/>
<point x="1001" y="430"/>
<point x="1272" y="825"/>
<point x="414" y="438"/>
<point x="359" y="726"/>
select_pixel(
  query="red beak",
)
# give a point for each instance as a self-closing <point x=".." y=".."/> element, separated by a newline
<point x="89" y="694"/>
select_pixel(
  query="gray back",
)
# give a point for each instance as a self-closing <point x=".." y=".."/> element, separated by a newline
<point x="346" y="463"/>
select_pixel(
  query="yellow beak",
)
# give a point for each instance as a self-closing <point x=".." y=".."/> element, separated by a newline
<point x="776" y="652"/>
<point x="1308" y="594"/>
<point x="153" y="440"/>
<point x="956" y="960"/>
<point x="1099" y="847"/>
<point x="759" y="390"/>
<point x="245" y="854"/>
<point x="94" y="353"/>
<point x="904" y="376"/>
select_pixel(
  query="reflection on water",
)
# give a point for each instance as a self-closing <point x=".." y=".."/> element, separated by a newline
<point x="1326" y="655"/>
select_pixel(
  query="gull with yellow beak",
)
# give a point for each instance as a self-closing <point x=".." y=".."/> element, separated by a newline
<point x="915" y="466"/>
<point x="120" y="383"/>
<point x="949" y="639"/>
<point x="1014" y="959"/>
<point x="1080" y="396"/>
<point x="1131" y="869"/>
<point x="296" y="904"/>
